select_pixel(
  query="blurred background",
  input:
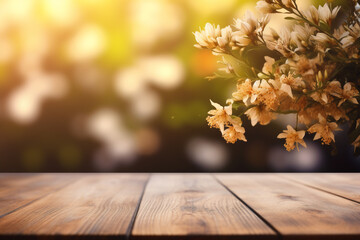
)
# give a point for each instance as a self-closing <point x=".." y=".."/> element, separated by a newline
<point x="116" y="85"/>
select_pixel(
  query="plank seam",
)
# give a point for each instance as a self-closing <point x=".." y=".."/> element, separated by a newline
<point x="318" y="188"/>
<point x="36" y="199"/>
<point x="133" y="218"/>
<point x="250" y="208"/>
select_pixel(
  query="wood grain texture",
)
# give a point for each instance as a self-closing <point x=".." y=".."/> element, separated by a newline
<point x="296" y="211"/>
<point x="179" y="206"/>
<point x="194" y="206"/>
<point x="17" y="190"/>
<point x="343" y="184"/>
<point x="99" y="205"/>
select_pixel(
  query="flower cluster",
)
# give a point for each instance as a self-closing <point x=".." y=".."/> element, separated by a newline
<point x="310" y="68"/>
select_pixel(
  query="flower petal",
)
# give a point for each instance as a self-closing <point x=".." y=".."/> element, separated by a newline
<point x="216" y="105"/>
<point x="286" y="88"/>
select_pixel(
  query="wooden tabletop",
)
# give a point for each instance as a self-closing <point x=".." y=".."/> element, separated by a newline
<point x="180" y="206"/>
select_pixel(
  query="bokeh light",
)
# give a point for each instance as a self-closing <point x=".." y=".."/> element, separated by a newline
<point x="89" y="85"/>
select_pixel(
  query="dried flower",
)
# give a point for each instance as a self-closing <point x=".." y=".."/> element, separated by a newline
<point x="312" y="15"/>
<point x="234" y="133"/>
<point x="259" y="114"/>
<point x="265" y="7"/>
<point x="220" y="116"/>
<point x="349" y="93"/>
<point x="207" y="38"/>
<point x="292" y="137"/>
<point x="326" y="14"/>
<point x="324" y="130"/>
<point x="313" y="71"/>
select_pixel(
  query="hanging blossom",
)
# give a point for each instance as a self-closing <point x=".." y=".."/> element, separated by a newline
<point x="293" y="138"/>
<point x="221" y="117"/>
<point x="310" y="69"/>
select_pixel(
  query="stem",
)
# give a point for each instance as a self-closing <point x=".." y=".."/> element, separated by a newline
<point x="251" y="67"/>
<point x="297" y="121"/>
<point x="300" y="15"/>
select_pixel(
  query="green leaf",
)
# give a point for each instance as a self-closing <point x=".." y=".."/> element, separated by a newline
<point x="254" y="49"/>
<point x="325" y="27"/>
<point x="241" y="69"/>
<point x="237" y="105"/>
<point x="223" y="74"/>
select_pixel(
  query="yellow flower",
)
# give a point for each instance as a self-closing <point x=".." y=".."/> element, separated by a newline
<point x="266" y="94"/>
<point x="268" y="65"/>
<point x="220" y="116"/>
<point x="324" y="130"/>
<point x="260" y="114"/>
<point x="306" y="76"/>
<point x="244" y="92"/>
<point x="234" y="133"/>
<point x="286" y="82"/>
<point x="292" y="137"/>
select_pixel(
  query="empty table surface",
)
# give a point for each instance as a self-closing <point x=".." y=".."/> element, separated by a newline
<point x="180" y="206"/>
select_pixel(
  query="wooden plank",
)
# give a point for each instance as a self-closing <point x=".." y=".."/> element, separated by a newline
<point x="99" y="205"/>
<point x="296" y="211"/>
<point x="17" y="190"/>
<point x="8" y="179"/>
<point x="343" y="184"/>
<point x="194" y="206"/>
<point x="9" y="176"/>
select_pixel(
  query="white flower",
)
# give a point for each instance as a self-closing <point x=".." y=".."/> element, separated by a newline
<point x="280" y="42"/>
<point x="326" y="15"/>
<point x="351" y="36"/>
<point x="312" y="14"/>
<point x="207" y="38"/>
<point x="225" y="37"/>
<point x="245" y="29"/>
<point x="264" y="7"/>
<point x="322" y="39"/>
<point x="301" y="36"/>
<point x="268" y="65"/>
